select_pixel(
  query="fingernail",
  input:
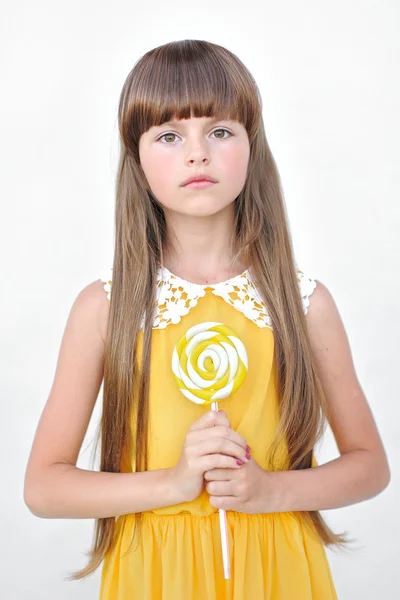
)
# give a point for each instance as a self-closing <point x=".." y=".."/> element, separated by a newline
<point x="248" y="449"/>
<point x="240" y="463"/>
<point x="248" y="456"/>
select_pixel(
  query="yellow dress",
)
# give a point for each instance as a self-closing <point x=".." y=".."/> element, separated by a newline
<point x="179" y="557"/>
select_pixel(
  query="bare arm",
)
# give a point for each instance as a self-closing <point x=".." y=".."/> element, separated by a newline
<point x="54" y="487"/>
<point x="68" y="492"/>
<point x="362" y="470"/>
<point x="351" y="478"/>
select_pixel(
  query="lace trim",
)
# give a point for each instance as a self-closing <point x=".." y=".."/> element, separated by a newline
<point x="176" y="296"/>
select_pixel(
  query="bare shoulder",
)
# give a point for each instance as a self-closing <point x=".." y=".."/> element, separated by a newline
<point x="329" y="340"/>
<point x="93" y="299"/>
<point x="326" y="329"/>
<point x="322" y="307"/>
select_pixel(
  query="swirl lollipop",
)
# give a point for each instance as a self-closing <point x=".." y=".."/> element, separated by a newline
<point x="209" y="363"/>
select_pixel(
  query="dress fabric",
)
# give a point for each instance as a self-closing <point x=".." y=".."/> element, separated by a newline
<point x="273" y="556"/>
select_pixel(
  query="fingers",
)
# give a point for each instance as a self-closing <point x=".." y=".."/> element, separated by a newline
<point x="210" y="419"/>
<point x="219" y="431"/>
<point x="223" y="444"/>
<point x="220" y="488"/>
<point x="217" y="461"/>
<point x="218" y="475"/>
<point x="219" y="439"/>
<point x="211" y="435"/>
<point x="215" y="424"/>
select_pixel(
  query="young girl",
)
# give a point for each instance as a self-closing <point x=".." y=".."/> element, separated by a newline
<point x="217" y="256"/>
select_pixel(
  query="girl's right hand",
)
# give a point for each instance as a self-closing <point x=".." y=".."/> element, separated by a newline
<point x="209" y="444"/>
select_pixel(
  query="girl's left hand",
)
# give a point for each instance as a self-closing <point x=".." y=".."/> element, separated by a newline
<point x="250" y="489"/>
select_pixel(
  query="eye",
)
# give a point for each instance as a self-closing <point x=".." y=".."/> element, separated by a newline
<point x="165" y="134"/>
<point x="169" y="133"/>
<point x="224" y="130"/>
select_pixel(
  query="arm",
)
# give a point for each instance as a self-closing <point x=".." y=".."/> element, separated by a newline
<point x="67" y="492"/>
<point x="54" y="487"/>
<point x="362" y="470"/>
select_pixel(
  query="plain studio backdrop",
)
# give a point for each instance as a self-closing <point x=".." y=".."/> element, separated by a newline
<point x="328" y="75"/>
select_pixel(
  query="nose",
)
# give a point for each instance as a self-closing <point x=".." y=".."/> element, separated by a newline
<point x="198" y="153"/>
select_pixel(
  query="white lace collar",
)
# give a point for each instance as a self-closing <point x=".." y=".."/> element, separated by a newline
<point x="176" y="296"/>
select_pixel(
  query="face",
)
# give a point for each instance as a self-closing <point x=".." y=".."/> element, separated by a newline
<point x="177" y="150"/>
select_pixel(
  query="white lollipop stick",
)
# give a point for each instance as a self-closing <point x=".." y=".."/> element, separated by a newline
<point x="223" y="529"/>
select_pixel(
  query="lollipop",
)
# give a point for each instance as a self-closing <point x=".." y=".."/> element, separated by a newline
<point x="209" y="363"/>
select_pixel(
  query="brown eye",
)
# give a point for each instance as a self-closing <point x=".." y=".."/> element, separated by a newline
<point x="224" y="130"/>
<point x="167" y="134"/>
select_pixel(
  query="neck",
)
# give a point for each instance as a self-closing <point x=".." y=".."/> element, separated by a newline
<point x="201" y="249"/>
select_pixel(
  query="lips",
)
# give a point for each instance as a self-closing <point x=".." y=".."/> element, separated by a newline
<point x="199" y="178"/>
<point x="199" y="185"/>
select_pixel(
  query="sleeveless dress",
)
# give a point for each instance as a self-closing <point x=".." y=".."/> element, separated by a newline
<point x="273" y="556"/>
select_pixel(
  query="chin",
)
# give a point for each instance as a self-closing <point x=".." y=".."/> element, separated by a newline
<point x="203" y="207"/>
<point x="201" y="211"/>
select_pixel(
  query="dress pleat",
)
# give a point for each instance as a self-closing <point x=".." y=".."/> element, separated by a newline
<point x="272" y="557"/>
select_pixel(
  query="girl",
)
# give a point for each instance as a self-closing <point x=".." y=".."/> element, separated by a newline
<point x="188" y="254"/>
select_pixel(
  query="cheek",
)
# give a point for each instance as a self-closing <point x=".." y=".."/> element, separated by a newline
<point x="160" y="176"/>
<point x="235" y="161"/>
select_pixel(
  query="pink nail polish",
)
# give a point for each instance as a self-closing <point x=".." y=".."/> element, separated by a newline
<point x="248" y="456"/>
<point x="248" y="449"/>
<point x="240" y="463"/>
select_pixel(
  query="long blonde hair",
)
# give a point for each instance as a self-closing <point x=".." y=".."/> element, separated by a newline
<point x="178" y="80"/>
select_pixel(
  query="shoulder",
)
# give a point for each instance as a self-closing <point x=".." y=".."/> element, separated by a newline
<point x="329" y="342"/>
<point x="324" y="323"/>
<point x="322" y="307"/>
<point x="91" y="297"/>
<point x="92" y="303"/>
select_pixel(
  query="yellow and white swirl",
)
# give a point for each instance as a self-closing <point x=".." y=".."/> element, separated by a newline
<point x="209" y="362"/>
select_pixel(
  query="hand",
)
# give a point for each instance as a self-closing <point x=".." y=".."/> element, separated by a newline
<point x="250" y="489"/>
<point x="209" y="444"/>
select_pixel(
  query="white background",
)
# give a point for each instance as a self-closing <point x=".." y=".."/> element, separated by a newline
<point x="328" y="75"/>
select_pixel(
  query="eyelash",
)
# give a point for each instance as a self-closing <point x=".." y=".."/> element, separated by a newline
<point x="171" y="133"/>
